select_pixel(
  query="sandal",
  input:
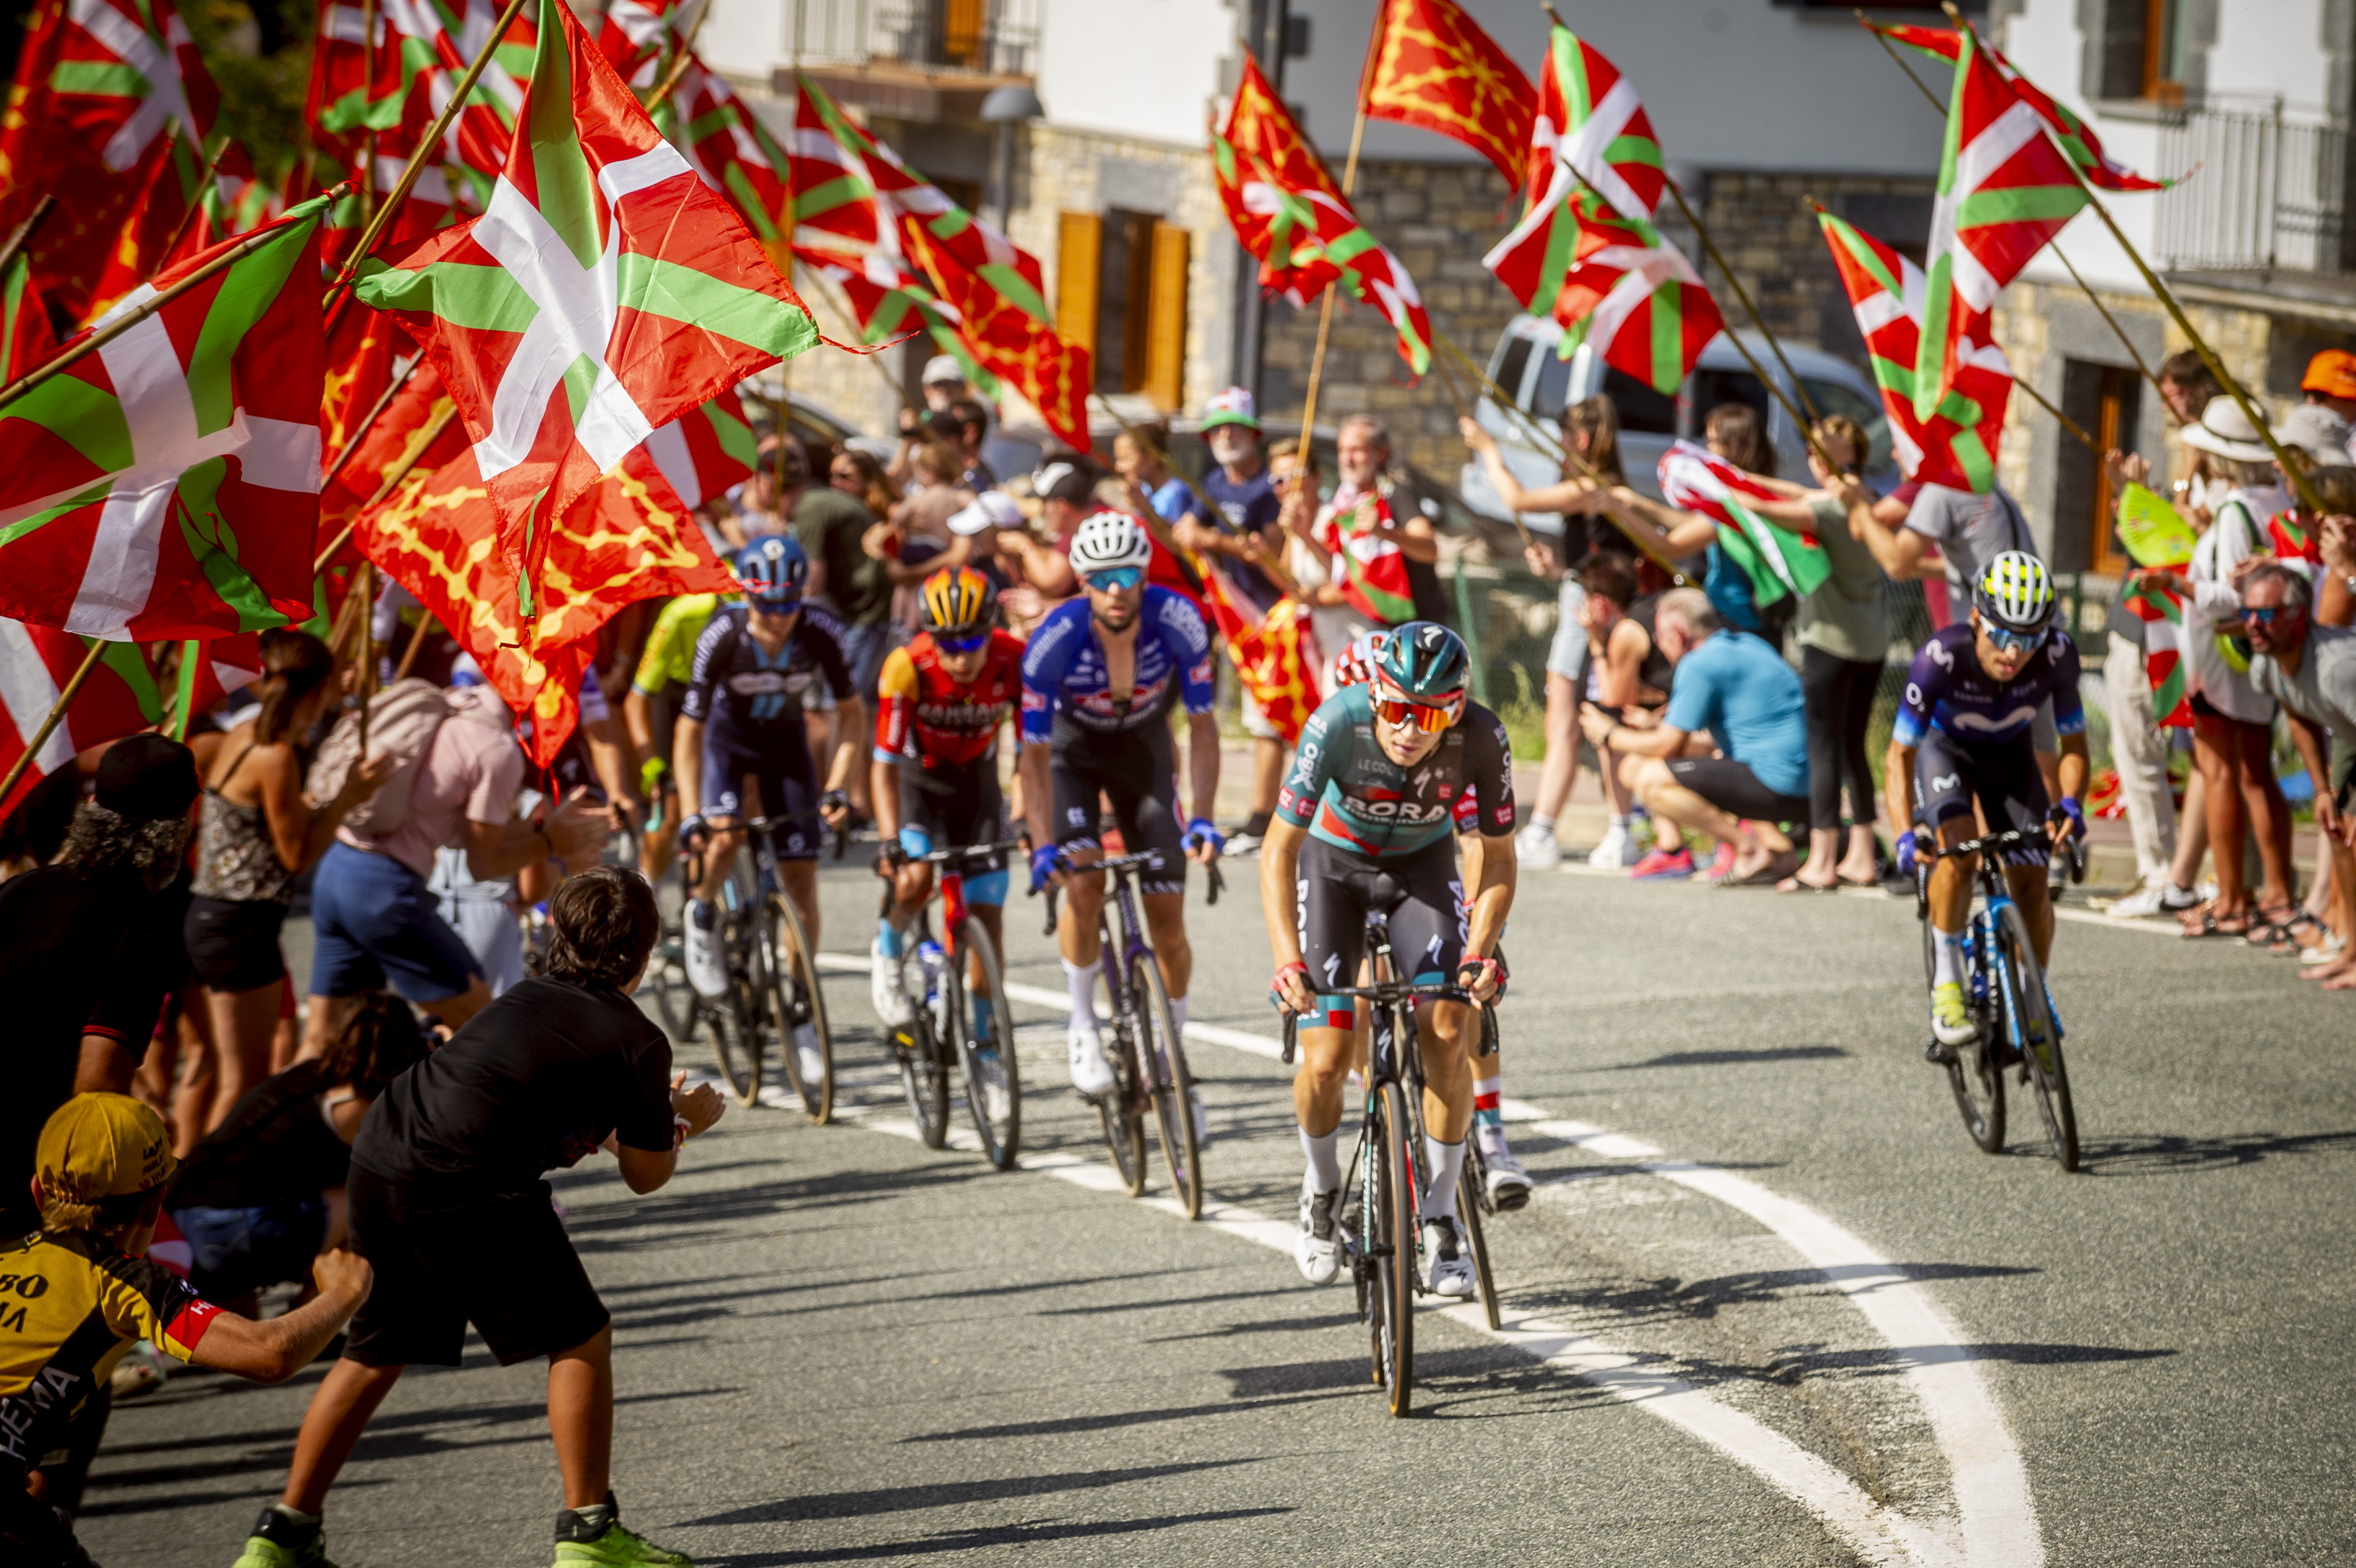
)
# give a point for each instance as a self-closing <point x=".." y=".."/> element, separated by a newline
<point x="2208" y="923"/>
<point x="2286" y="940"/>
<point x="2268" y="926"/>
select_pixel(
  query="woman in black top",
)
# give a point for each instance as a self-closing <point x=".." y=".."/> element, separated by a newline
<point x="264" y="1193"/>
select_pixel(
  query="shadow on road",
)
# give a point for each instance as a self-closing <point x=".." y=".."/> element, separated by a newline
<point x="2169" y="1154"/>
<point x="1735" y="1058"/>
<point x="896" y="1500"/>
<point x="996" y="1535"/>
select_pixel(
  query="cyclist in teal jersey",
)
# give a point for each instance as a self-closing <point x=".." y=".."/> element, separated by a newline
<point x="1387" y="775"/>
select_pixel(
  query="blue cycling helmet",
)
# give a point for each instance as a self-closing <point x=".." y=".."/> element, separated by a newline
<point x="1424" y="660"/>
<point x="773" y="571"/>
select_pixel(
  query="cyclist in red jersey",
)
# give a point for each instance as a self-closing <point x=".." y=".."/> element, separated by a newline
<point x="941" y="701"/>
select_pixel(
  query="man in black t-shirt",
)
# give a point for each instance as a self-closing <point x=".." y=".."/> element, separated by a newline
<point x="448" y="1203"/>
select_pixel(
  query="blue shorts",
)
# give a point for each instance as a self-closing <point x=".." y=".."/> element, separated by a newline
<point x="374" y="920"/>
<point x="238" y="1250"/>
<point x="783" y="775"/>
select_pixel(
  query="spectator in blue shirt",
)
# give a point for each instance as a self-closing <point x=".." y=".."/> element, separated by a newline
<point x="1735" y="696"/>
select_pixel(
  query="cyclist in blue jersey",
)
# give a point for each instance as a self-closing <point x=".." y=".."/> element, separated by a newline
<point x="1961" y="740"/>
<point x="1368" y="820"/>
<point x="742" y="749"/>
<point x="1099" y="678"/>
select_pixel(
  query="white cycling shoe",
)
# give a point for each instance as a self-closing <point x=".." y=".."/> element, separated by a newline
<point x="1091" y="1071"/>
<point x="887" y="988"/>
<point x="706" y="970"/>
<point x="1318" y="1247"/>
<point x="1452" y="1261"/>
<point x="1509" y="1185"/>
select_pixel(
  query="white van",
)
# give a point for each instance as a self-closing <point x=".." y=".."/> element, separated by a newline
<point x="1526" y="367"/>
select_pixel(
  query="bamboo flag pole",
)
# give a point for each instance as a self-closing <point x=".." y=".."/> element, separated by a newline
<point x="229" y="257"/>
<point x="57" y="713"/>
<point x="685" y="58"/>
<point x="365" y="592"/>
<point x="367" y="86"/>
<point x="1325" y="311"/>
<point x="426" y="149"/>
<point x="22" y="232"/>
<point x="1456" y="396"/>
<point x="359" y="431"/>
<point x="417" y="445"/>
<point x="204" y="180"/>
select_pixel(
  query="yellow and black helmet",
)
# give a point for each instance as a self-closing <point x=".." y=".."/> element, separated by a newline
<point x="960" y="602"/>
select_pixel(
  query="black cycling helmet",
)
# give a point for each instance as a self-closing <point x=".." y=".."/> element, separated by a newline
<point x="1424" y="660"/>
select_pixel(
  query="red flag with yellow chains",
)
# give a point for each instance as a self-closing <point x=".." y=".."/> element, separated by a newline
<point x="1432" y="67"/>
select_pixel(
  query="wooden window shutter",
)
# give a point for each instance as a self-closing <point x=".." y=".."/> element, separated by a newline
<point x="1165" y="352"/>
<point x="1079" y="243"/>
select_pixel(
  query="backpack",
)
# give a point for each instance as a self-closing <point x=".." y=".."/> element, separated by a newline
<point x="404" y="719"/>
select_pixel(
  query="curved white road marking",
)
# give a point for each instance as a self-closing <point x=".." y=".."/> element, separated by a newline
<point x="1996" y="1516"/>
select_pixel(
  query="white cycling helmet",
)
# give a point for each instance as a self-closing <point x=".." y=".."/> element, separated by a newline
<point x="2015" y="592"/>
<point x="1110" y="539"/>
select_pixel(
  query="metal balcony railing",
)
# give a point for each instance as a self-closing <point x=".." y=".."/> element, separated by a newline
<point x="2271" y="192"/>
<point x="984" y="38"/>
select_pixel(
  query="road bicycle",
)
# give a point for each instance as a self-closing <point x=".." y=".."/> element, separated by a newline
<point x="773" y="985"/>
<point x="1149" y="1059"/>
<point x="2004" y="989"/>
<point x="942" y="1036"/>
<point x="1382" y="1206"/>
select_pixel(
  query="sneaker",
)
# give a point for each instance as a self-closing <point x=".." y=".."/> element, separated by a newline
<point x="1617" y="851"/>
<point x="1241" y="842"/>
<point x="1509" y="1185"/>
<point x="2149" y="899"/>
<point x="278" y="1541"/>
<point x="706" y="970"/>
<point x="1452" y="1265"/>
<point x="1318" y="1249"/>
<point x="1535" y="848"/>
<point x="2175" y="900"/>
<point x="1091" y="1071"/>
<point x="808" y="1058"/>
<point x="1657" y="866"/>
<point x="1721" y="864"/>
<point x="887" y="986"/>
<point x="613" y="1548"/>
<point x="1951" y="1021"/>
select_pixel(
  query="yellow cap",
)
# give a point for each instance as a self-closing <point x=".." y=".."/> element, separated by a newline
<point x="95" y="1147"/>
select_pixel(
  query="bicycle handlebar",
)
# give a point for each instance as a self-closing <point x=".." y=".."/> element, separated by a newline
<point x="963" y="852"/>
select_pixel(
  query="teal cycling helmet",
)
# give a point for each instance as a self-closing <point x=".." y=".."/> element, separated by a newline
<point x="1423" y="661"/>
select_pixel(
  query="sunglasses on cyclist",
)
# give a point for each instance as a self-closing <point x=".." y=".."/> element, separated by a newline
<point x="776" y="607"/>
<point x="2007" y="641"/>
<point x="966" y="644"/>
<point x="1428" y="717"/>
<point x="1115" y="579"/>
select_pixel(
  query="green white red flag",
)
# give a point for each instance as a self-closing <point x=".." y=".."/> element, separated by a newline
<point x="121" y="697"/>
<point x="166" y="484"/>
<point x="888" y="302"/>
<point x="723" y="141"/>
<point x="2164" y="648"/>
<point x="2005" y="190"/>
<point x="1374" y="579"/>
<point x="423" y="48"/>
<point x="1956" y="446"/>
<point x="1776" y="559"/>
<point x="2071" y="134"/>
<point x="1590" y="123"/>
<point x="26" y="335"/>
<point x="1288" y="212"/>
<point x="604" y="293"/>
<point x="702" y="454"/>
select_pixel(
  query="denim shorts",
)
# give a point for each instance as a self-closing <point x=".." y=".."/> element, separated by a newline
<point x="375" y="922"/>
<point x="233" y="1251"/>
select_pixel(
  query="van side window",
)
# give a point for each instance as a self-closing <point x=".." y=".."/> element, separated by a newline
<point x="1507" y="371"/>
<point x="1708" y="389"/>
<point x="1553" y="388"/>
<point x="1643" y="411"/>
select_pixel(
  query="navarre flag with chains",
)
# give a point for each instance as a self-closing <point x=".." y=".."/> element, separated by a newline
<point x="1431" y="66"/>
<point x="1956" y="446"/>
<point x="1272" y="656"/>
<point x="888" y="302"/>
<point x="166" y="484"/>
<point x="605" y="292"/>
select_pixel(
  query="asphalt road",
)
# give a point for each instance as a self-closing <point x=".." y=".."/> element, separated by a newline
<point x="1770" y="1307"/>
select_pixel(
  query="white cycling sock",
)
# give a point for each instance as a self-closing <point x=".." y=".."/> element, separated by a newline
<point x="1082" y="985"/>
<point x="1544" y="826"/>
<point x="1946" y="957"/>
<point x="1178" y="1015"/>
<point x="1622" y="824"/>
<point x="1324" y="1172"/>
<point x="1447" y="1161"/>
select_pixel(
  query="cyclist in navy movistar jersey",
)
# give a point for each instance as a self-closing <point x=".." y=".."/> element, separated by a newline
<point x="1099" y="678"/>
<point x="742" y="749"/>
<point x="1962" y="738"/>
<point x="1368" y="820"/>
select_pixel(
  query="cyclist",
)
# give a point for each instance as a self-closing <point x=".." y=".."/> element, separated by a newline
<point x="1365" y="822"/>
<point x="742" y="751"/>
<point x="1962" y="738"/>
<point x="1099" y="678"/>
<point x="650" y="712"/>
<point x="940" y="702"/>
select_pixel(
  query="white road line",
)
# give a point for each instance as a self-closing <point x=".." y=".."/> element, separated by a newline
<point x="1996" y="1515"/>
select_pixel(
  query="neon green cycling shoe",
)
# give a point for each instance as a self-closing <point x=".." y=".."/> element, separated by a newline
<point x="278" y="1541"/>
<point x="613" y="1547"/>
<point x="1951" y="1020"/>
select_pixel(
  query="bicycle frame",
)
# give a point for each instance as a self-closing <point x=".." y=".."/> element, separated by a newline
<point x="1985" y="964"/>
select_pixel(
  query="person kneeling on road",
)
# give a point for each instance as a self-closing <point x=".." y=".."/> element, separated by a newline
<point x="84" y="1292"/>
<point x="449" y="1202"/>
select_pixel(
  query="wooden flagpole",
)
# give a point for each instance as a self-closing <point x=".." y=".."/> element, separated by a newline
<point x="432" y="427"/>
<point x="678" y="65"/>
<point x="1456" y="396"/>
<point x="1325" y="311"/>
<point x="57" y="713"/>
<point x="229" y="257"/>
<point x="23" y="232"/>
<point x="367" y="86"/>
<point x="360" y="431"/>
<point x="180" y="233"/>
<point x="426" y="149"/>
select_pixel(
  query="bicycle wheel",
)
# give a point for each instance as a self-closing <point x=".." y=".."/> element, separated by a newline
<point x="1121" y="1110"/>
<point x="924" y="1078"/>
<point x="1163" y="1056"/>
<point x="794" y="1000"/>
<point x="993" y="1079"/>
<point x="1390" y="1222"/>
<point x="1470" y="1202"/>
<point x="723" y="1024"/>
<point x="1973" y="1076"/>
<point x="674" y="999"/>
<point x="736" y="1048"/>
<point x="2040" y="1040"/>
